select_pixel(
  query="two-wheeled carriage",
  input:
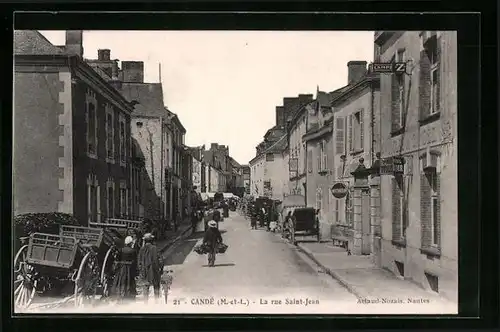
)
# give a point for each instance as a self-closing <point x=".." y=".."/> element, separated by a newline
<point x="79" y="257"/>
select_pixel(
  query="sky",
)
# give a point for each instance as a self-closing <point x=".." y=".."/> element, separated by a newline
<point x="225" y="85"/>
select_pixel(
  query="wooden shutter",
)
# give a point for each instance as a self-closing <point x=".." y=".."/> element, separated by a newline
<point x="395" y="118"/>
<point x="425" y="211"/>
<point x="424" y="86"/>
<point x="318" y="157"/>
<point x="361" y="128"/>
<point x="438" y="208"/>
<point x="340" y="130"/>
<point x="438" y="73"/>
<point x="325" y="156"/>
<point x="396" y="210"/>
<point x="349" y="138"/>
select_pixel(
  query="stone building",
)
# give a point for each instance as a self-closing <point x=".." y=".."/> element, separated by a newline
<point x="246" y="178"/>
<point x="419" y="238"/>
<point x="319" y="144"/>
<point x="180" y="186"/>
<point x="296" y="127"/>
<point x="257" y="167"/>
<point x="356" y="109"/>
<point x="63" y="104"/>
<point x="218" y="157"/>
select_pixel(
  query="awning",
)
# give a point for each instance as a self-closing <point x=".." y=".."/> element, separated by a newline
<point x="206" y="196"/>
<point x="294" y="200"/>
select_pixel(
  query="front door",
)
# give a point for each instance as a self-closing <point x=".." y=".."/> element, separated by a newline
<point x="365" y="221"/>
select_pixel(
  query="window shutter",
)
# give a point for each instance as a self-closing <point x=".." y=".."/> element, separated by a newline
<point x="325" y="157"/>
<point x="438" y="73"/>
<point x="318" y="158"/>
<point x="395" y="119"/>
<point x="425" y="211"/>
<point x="361" y="129"/>
<point x="438" y="208"/>
<point x="396" y="210"/>
<point x="424" y="87"/>
<point x="340" y="144"/>
<point x="349" y="139"/>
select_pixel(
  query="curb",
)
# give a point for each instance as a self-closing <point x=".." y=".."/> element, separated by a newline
<point x="175" y="240"/>
<point x="331" y="273"/>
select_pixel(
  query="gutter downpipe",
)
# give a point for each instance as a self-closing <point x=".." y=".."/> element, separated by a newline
<point x="162" y="186"/>
<point x="372" y="122"/>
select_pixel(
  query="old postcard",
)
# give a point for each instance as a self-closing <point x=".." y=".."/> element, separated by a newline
<point x="256" y="172"/>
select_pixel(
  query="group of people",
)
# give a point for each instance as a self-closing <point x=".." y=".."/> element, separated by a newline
<point x="264" y="216"/>
<point x="138" y="261"/>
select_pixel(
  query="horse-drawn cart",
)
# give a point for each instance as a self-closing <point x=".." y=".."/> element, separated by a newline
<point x="79" y="257"/>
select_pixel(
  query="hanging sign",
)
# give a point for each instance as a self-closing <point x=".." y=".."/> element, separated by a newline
<point x="339" y="190"/>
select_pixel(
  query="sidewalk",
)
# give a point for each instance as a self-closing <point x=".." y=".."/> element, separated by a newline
<point x="172" y="237"/>
<point x="362" y="278"/>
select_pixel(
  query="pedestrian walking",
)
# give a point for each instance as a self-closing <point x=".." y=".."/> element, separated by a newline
<point x="150" y="266"/>
<point x="211" y="239"/>
<point x="194" y="220"/>
<point x="124" y="285"/>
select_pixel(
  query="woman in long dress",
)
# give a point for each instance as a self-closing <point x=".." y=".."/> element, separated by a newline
<point x="124" y="285"/>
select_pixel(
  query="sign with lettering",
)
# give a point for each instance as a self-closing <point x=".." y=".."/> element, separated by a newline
<point x="388" y="67"/>
<point x="293" y="164"/>
<point x="398" y="165"/>
<point x="339" y="190"/>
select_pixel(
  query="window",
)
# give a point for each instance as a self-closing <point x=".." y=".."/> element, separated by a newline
<point x="110" y="135"/>
<point x="123" y="142"/>
<point x="340" y="134"/>
<point x="434" y="208"/>
<point x="138" y="124"/>
<point x="93" y="206"/>
<point x="91" y="129"/>
<point x="429" y="84"/>
<point x="269" y="157"/>
<point x="349" y="208"/>
<point x="401" y="90"/>
<point x="123" y="202"/>
<point x="399" y="208"/>
<point x="110" y="199"/>
<point x="356" y="131"/>
<point x="430" y="209"/>
<point x="319" y="198"/>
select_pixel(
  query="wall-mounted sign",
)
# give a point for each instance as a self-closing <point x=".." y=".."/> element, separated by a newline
<point x="339" y="190"/>
<point x="293" y="164"/>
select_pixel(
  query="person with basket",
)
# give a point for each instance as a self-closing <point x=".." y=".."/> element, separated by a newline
<point x="211" y="241"/>
<point x="150" y="266"/>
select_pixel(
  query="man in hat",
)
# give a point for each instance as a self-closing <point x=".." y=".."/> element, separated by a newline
<point x="211" y="239"/>
<point x="150" y="265"/>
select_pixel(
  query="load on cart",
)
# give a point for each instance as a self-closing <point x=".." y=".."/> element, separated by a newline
<point x="80" y="257"/>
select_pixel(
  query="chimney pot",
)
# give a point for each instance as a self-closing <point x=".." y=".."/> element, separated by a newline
<point x="74" y="42"/>
<point x="356" y="71"/>
<point x="133" y="71"/>
<point x="104" y="55"/>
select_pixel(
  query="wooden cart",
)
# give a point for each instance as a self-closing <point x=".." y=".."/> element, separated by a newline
<point x="49" y="256"/>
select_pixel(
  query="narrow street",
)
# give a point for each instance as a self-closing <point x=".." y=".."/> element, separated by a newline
<point x="258" y="267"/>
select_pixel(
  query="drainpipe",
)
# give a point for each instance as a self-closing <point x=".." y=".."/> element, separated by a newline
<point x="306" y="164"/>
<point x="372" y="121"/>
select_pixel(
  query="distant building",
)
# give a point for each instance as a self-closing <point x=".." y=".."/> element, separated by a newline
<point x="63" y="104"/>
<point x="246" y="178"/>
<point x="218" y="157"/>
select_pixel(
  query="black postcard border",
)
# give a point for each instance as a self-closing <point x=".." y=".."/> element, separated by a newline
<point x="472" y="128"/>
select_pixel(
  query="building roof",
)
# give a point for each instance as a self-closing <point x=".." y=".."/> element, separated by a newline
<point x="33" y="42"/>
<point x="175" y="119"/>
<point x="148" y="95"/>
<point x="278" y="146"/>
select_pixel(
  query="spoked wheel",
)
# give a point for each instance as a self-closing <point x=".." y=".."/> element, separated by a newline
<point x="24" y="280"/>
<point x="87" y="280"/>
<point x="107" y="273"/>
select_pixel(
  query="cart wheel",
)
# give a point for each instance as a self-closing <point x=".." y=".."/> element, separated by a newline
<point x="87" y="280"/>
<point x="106" y="272"/>
<point x="24" y="282"/>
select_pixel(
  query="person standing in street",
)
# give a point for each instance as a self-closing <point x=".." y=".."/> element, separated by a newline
<point x="194" y="220"/>
<point x="211" y="239"/>
<point x="150" y="266"/>
<point x="124" y="285"/>
<point x="177" y="220"/>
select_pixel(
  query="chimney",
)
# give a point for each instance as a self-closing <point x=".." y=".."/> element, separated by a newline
<point x="280" y="116"/>
<point x="115" y="80"/>
<point x="133" y="71"/>
<point x="104" y="55"/>
<point x="74" y="42"/>
<point x="213" y="146"/>
<point x="356" y="70"/>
